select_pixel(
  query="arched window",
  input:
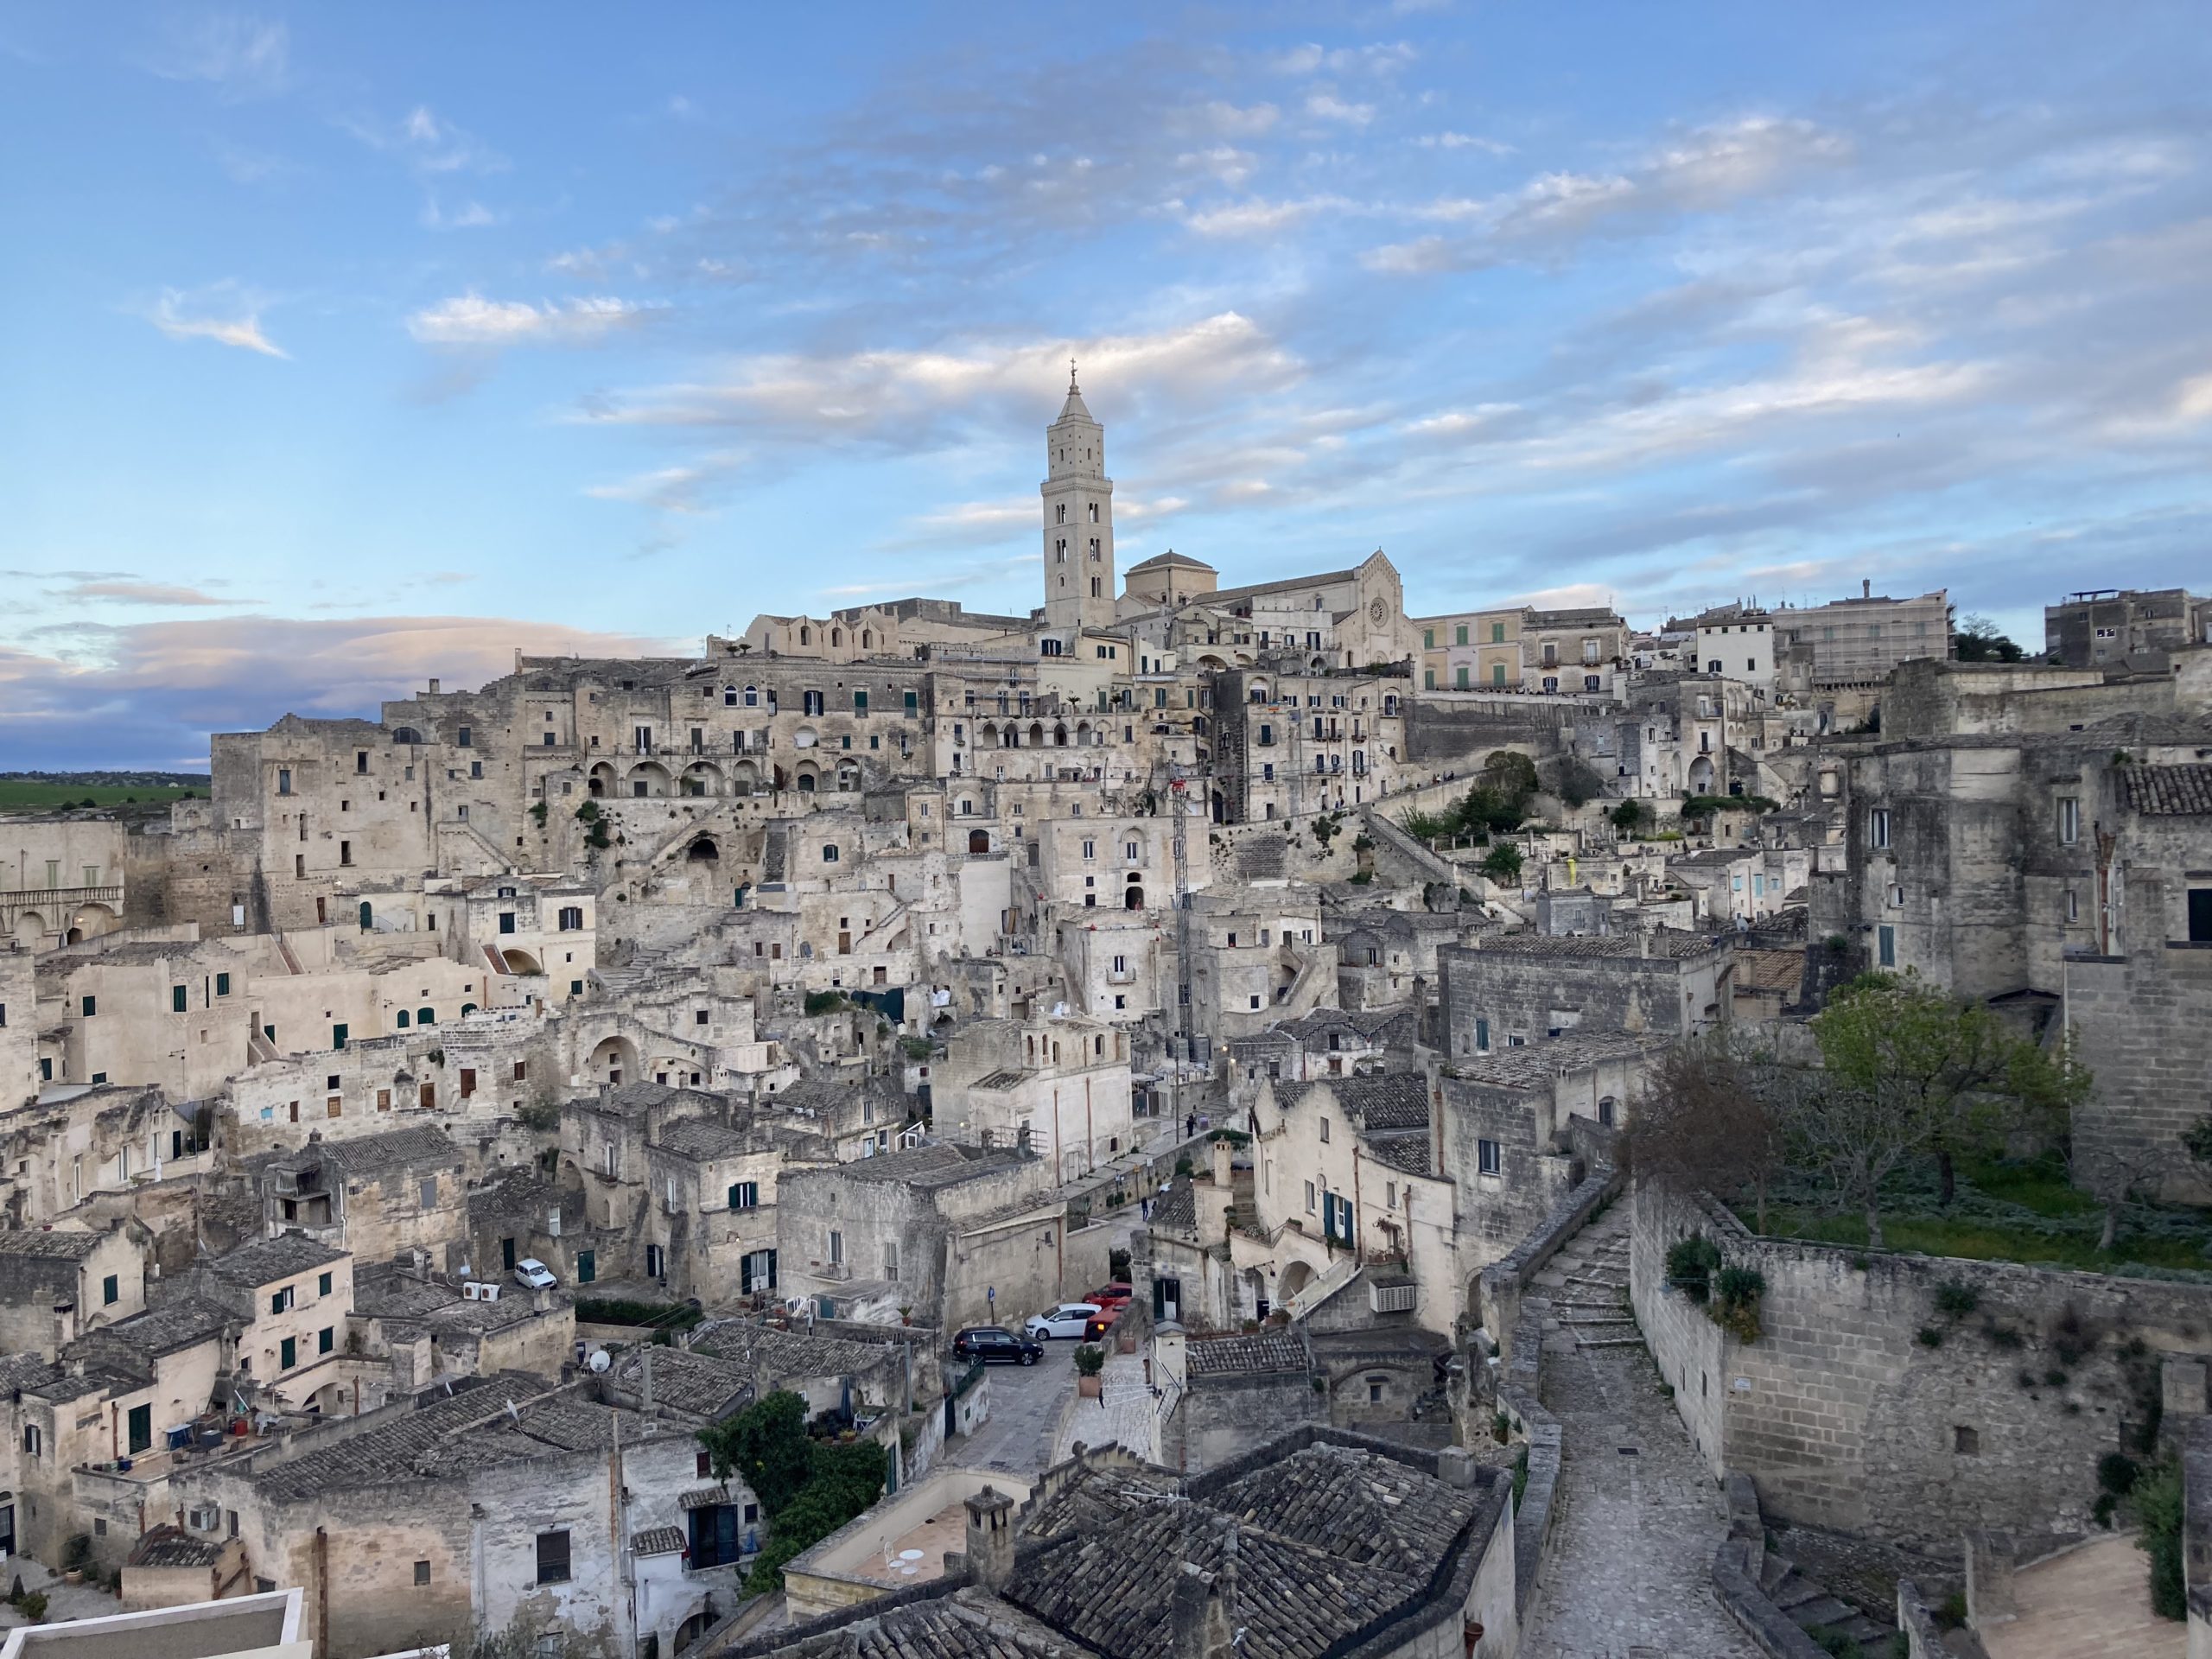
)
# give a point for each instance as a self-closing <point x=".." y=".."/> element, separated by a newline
<point x="399" y="1020"/>
<point x="730" y="696"/>
<point x="804" y="638"/>
<point x="836" y="636"/>
<point x="753" y="697"/>
<point x="468" y="1008"/>
<point x="867" y="640"/>
<point x="426" y="1016"/>
<point x="368" y="916"/>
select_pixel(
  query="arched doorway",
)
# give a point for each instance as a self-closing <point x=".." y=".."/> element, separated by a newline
<point x="612" y="1061"/>
<point x="1133" y="898"/>
<point x="649" y="781"/>
<point x="1292" y="1279"/>
<point x="703" y="851"/>
<point x="1702" y="776"/>
<point x="979" y="841"/>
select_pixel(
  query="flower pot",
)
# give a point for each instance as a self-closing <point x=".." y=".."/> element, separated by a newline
<point x="1090" y="1388"/>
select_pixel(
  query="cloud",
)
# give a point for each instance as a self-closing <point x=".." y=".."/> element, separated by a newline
<point x="471" y="319"/>
<point x="905" y="397"/>
<point x="148" y="694"/>
<point x="1259" y="218"/>
<point x="1327" y="106"/>
<point x="241" y="56"/>
<point x="173" y="314"/>
<point x="670" y="489"/>
<point x="428" y="143"/>
<point x="470" y="215"/>
<point x="1462" y="140"/>
<point x="141" y="593"/>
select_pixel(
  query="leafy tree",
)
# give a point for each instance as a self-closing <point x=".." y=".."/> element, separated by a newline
<point x="1501" y="864"/>
<point x="1947" y="1071"/>
<point x="765" y="1443"/>
<point x="1978" y="640"/>
<point x="1510" y="773"/>
<point x="1629" y="816"/>
<point x="845" y="1480"/>
<point x="1574" y="780"/>
<point x="1426" y="826"/>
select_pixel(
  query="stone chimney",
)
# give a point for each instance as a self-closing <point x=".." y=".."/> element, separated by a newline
<point x="433" y="688"/>
<point x="1865" y="589"/>
<point x="1201" y="1623"/>
<point x="1455" y="1466"/>
<point x="1223" y="1174"/>
<point x="990" y="1538"/>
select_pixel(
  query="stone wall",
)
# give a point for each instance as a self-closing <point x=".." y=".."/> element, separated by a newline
<point x="1864" y="1408"/>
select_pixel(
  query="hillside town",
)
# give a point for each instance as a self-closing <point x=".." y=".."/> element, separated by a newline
<point x="1196" y="1119"/>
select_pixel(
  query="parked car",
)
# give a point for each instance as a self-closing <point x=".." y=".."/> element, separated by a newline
<point x="1065" y="1321"/>
<point x="1096" y="1327"/>
<point x="1109" y="1297"/>
<point x="535" y="1274"/>
<point x="994" y="1342"/>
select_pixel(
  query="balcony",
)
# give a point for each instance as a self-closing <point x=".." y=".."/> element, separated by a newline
<point x="58" y="899"/>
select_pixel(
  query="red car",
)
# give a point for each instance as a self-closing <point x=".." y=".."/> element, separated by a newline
<point x="1111" y="1299"/>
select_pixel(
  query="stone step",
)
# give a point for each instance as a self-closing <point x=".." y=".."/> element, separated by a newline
<point x="1610" y="1341"/>
<point x="1594" y="1278"/>
<point x="1773" y="1570"/>
<point x="1794" y="1589"/>
<point x="1824" y="1608"/>
<point x="1614" y="1318"/>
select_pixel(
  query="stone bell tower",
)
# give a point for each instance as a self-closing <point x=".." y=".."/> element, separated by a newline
<point x="1078" y="520"/>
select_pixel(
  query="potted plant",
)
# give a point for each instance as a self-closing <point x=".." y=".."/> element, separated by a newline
<point x="907" y="1314"/>
<point x="1089" y="1361"/>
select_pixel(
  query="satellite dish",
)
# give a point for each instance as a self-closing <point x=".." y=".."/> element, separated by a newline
<point x="597" y="1362"/>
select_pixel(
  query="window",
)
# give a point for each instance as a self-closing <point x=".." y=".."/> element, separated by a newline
<point x="1885" y="938"/>
<point x="176" y="999"/>
<point x="1460" y="636"/>
<point x="280" y="1301"/>
<point x="836" y="1248"/>
<point x="222" y="984"/>
<point x="1481" y="1036"/>
<point x="422" y="1572"/>
<point x="91" y="1007"/>
<point x="142" y="1429"/>
<point x="283" y="780"/>
<point x="325" y="1338"/>
<point x="322" y="1284"/>
<point x="32" y="1439"/>
<point x="830" y="855"/>
<point x="288" y="1354"/>
<point x="1309" y="1197"/>
<point x="460" y="738"/>
<point x="1878" y="827"/>
<point x="1324" y="1131"/>
<point x="111" y="1290"/>
<point x="1487" y="1160"/>
<point x="717" y="1537"/>
<point x="744" y="1195"/>
<point x="2200" y="914"/>
<point x="553" y="1557"/>
<point x="2069" y="819"/>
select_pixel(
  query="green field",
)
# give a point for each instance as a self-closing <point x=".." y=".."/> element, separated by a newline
<point x="28" y="792"/>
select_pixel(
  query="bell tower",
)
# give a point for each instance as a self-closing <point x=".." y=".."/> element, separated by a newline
<point x="1079" y="520"/>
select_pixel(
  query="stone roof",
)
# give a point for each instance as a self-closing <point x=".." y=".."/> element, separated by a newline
<point x="1354" y="1505"/>
<point x="184" y="1323"/>
<point x="701" y="1384"/>
<point x="658" y="1540"/>
<point x="1162" y="560"/>
<point x="1096" y="1495"/>
<point x="785" y="1355"/>
<point x="964" y="1624"/>
<point x="634" y="1099"/>
<point x="1177" y="1207"/>
<point x="2168" y="791"/>
<point x="703" y="1138"/>
<point x="71" y="1245"/>
<point x="1379" y="1100"/>
<point x="1406" y="1151"/>
<point x="930" y="1165"/>
<point x="1268" y="1351"/>
<point x="265" y="1261"/>
<point x="1665" y="943"/>
<point x="172" y="1546"/>
<point x="410" y="1147"/>
<point x="1536" y="1064"/>
<point x="1371" y="1023"/>
<point x="1770" y="970"/>
<point x="1112" y="1590"/>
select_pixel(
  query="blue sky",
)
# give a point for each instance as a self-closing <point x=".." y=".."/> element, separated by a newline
<point x="345" y="345"/>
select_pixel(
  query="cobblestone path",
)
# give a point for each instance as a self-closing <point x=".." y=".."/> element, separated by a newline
<point x="1629" y="1572"/>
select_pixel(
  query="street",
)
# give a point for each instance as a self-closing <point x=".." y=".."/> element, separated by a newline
<point x="1027" y="1401"/>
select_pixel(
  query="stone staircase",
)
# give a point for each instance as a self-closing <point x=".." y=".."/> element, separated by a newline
<point x="1587" y="1282"/>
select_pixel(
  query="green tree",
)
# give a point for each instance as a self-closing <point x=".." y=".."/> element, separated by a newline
<point x="845" y="1480"/>
<point x="1501" y="864"/>
<point x="1945" y="1073"/>
<point x="765" y="1443"/>
<point x="1978" y="640"/>
<point x="1510" y="773"/>
<point x="1629" y="816"/>
<point x="1574" y="780"/>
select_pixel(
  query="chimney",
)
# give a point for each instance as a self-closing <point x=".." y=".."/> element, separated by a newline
<point x="990" y="1538"/>
<point x="645" y="1383"/>
<point x="1223" y="1174"/>
<point x="1455" y="1466"/>
<point x="433" y="688"/>
<point x="1866" y="591"/>
<point x="1201" y="1627"/>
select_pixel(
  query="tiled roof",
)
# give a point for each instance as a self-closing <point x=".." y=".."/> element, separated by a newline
<point x="702" y="1139"/>
<point x="658" y="1540"/>
<point x="267" y="1260"/>
<point x="163" y="1330"/>
<point x="171" y="1545"/>
<point x="1666" y="941"/>
<point x="1176" y="1207"/>
<point x="1096" y="1498"/>
<point x="1379" y="1100"/>
<point x="1112" y="1591"/>
<point x="966" y="1624"/>
<point x="1537" y="1064"/>
<point x="1407" y="1150"/>
<point x="1770" y="970"/>
<point x="1354" y="1505"/>
<point x="998" y="1080"/>
<point x="1243" y="1356"/>
<point x="698" y="1383"/>
<point x="784" y="1356"/>
<point x="410" y="1148"/>
<point x="2168" y="791"/>
<point x="73" y="1245"/>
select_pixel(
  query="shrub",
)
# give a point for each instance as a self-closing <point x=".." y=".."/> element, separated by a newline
<point x="1090" y="1359"/>
<point x="1690" y="1264"/>
<point x="1501" y="864"/>
<point x="539" y="1116"/>
<point x="1629" y="816"/>
<point x="1520" y="1476"/>
<point x="1117" y="1266"/>
<point x="33" y="1606"/>
<point x="2117" y="1473"/>
<point x="1955" y="1300"/>
<point x="537" y="814"/>
<point x="2158" y="1508"/>
<point x="1930" y="1337"/>
<point x="1735" y="1307"/>
<point x="1501" y="1428"/>
<point x="2004" y="1336"/>
<point x="2101" y="1510"/>
<point x="819" y="1002"/>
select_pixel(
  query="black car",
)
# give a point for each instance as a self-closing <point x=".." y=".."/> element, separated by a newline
<point x="990" y="1342"/>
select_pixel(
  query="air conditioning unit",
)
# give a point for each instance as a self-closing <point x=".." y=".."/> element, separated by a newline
<point x="481" y="1291"/>
<point x="204" y="1517"/>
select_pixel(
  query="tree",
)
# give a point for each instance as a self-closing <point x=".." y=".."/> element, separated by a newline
<point x="1501" y="864"/>
<point x="1943" y="1064"/>
<point x="765" y="1443"/>
<point x="1574" y="781"/>
<point x="1978" y="640"/>
<point x="1706" y="1120"/>
<point x="1629" y="816"/>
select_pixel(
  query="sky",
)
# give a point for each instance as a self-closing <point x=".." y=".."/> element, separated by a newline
<point x="342" y="346"/>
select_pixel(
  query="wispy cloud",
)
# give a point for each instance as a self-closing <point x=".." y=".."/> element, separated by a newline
<point x="241" y="56"/>
<point x="141" y="593"/>
<point x="429" y="143"/>
<point x="471" y="319"/>
<point x="469" y="216"/>
<point x="183" y="315"/>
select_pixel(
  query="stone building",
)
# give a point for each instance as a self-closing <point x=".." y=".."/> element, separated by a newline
<point x="2107" y="624"/>
<point x="374" y="1198"/>
<point x="62" y="877"/>
<point x="1508" y="990"/>
<point x="1058" y="1084"/>
<point x="1860" y="641"/>
<point x="56" y="1282"/>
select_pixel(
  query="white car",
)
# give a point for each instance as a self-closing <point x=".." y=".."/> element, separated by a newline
<point x="1065" y="1321"/>
<point x="535" y="1274"/>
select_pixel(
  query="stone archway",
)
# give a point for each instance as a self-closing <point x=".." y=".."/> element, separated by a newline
<point x="614" y="1060"/>
<point x="1292" y="1280"/>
